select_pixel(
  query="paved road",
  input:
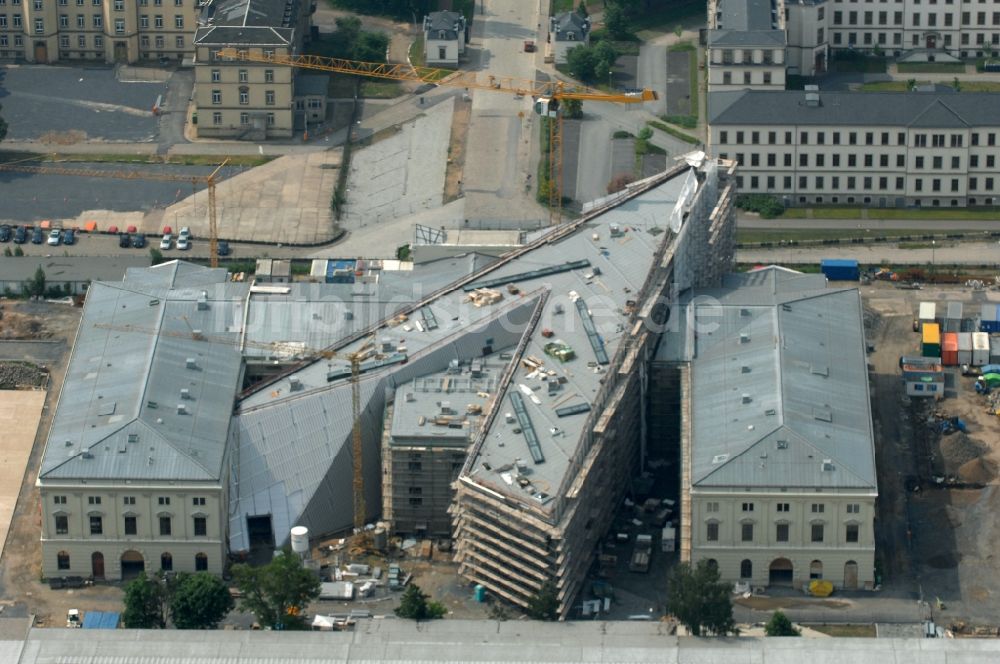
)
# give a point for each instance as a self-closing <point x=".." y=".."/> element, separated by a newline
<point x="499" y="144"/>
<point x="929" y="225"/>
<point x="970" y="253"/>
<point x="651" y="72"/>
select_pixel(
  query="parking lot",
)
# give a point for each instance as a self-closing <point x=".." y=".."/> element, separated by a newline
<point x="63" y="105"/>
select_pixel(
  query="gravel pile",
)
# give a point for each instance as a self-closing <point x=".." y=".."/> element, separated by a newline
<point x="20" y="374"/>
<point x="958" y="449"/>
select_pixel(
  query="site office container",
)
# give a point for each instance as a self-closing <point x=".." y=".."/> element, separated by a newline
<point x="840" y="269"/>
<point x="931" y="346"/>
<point x="988" y="321"/>
<point x="965" y="347"/>
<point x="980" y="349"/>
<point x="949" y="349"/>
<point x="928" y="312"/>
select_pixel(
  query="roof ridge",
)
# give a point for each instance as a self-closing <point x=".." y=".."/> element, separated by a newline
<point x="937" y="101"/>
<point x="741" y="454"/>
<point x="166" y="440"/>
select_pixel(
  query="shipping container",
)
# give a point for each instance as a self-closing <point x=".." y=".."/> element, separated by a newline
<point x="931" y="346"/>
<point x="928" y="311"/>
<point x="988" y="321"/>
<point x="840" y="269"/>
<point x="994" y="349"/>
<point x="953" y="317"/>
<point x="980" y="349"/>
<point x="965" y="348"/>
<point x="949" y="349"/>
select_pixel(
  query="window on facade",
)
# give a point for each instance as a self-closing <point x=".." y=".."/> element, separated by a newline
<point x="820" y="160"/>
<point x="59" y="500"/>
<point x="165" y="526"/>
<point x="131" y="527"/>
<point x="784" y="507"/>
<point x="62" y="524"/>
<point x="416" y="502"/>
<point x="269" y="76"/>
<point x="217" y="118"/>
<point x="748" y="507"/>
<point x="198" y="501"/>
<point x="817" y="532"/>
<point x="852" y="533"/>
<point x="119" y="26"/>
<point x="98" y="41"/>
<point x="200" y="526"/>
<point x="96" y="525"/>
<point x="201" y="563"/>
<point x="166" y="562"/>
<point x="179" y="42"/>
<point x="94" y="500"/>
<point x="414" y="465"/>
<point x="712" y="531"/>
<point x="712" y="507"/>
<point x="746" y="532"/>
<point x="936" y="184"/>
<point x="62" y="560"/>
<point x="144" y="22"/>
<point x="216" y="99"/>
<point x="244" y="97"/>
<point x="269" y="97"/>
<point x="164" y="500"/>
<point x="244" y="119"/>
<point x="781" y="532"/>
<point x="818" y="508"/>
<point x="81" y="41"/>
<point x="158" y="21"/>
<point x="179" y="22"/>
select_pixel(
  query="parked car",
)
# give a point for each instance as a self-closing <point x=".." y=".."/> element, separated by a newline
<point x="124" y="241"/>
<point x="37" y="236"/>
<point x="5" y="233"/>
<point x="185" y="232"/>
<point x="20" y="235"/>
<point x="183" y="242"/>
<point x="55" y="237"/>
<point x="138" y="241"/>
<point x="166" y="241"/>
<point x="223" y="248"/>
<point x="69" y="236"/>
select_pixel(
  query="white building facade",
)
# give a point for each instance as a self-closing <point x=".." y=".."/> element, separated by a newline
<point x="445" y="36"/>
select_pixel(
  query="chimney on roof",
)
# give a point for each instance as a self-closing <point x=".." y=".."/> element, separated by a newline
<point x="294" y="384"/>
<point x="191" y="363"/>
<point x="181" y="409"/>
<point x="185" y="393"/>
<point x="812" y="98"/>
<point x="203" y="301"/>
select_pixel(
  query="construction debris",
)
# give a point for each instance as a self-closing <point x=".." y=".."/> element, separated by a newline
<point x="559" y="350"/>
<point x="482" y="297"/>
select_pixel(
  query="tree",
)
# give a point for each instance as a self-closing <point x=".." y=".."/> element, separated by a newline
<point x="582" y="9"/>
<point x="572" y="108"/>
<point x="414" y="605"/>
<point x="545" y="604"/>
<point x="18" y="251"/>
<point x="619" y="182"/>
<point x="144" y="599"/>
<point x="616" y="22"/>
<point x="780" y="625"/>
<point x="199" y="601"/>
<point x="36" y="286"/>
<point x="699" y="600"/>
<point x="155" y="256"/>
<point x="957" y="84"/>
<point x="371" y="47"/>
<point x="3" y="127"/>
<point x="278" y="592"/>
<point x="582" y="62"/>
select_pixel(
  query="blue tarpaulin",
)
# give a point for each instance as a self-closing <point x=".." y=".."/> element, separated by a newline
<point x="101" y="619"/>
<point x="840" y="269"/>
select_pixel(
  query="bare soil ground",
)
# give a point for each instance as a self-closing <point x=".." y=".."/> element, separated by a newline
<point x="939" y="494"/>
<point x="456" y="150"/>
<point x="21" y="589"/>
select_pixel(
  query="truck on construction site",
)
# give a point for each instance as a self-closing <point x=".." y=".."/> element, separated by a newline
<point x="641" y="554"/>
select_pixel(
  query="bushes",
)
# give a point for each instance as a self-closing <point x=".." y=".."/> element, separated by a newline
<point x="766" y="206"/>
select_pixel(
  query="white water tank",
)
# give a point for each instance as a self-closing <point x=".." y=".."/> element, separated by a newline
<point x="300" y="540"/>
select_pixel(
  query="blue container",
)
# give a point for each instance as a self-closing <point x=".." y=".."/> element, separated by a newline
<point x="479" y="593"/>
<point x="840" y="269"/>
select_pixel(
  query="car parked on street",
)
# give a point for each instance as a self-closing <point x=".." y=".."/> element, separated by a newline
<point x="20" y="235"/>
<point x="5" y="233"/>
<point x="69" y="236"/>
<point x="37" y="236"/>
<point x="183" y="242"/>
<point x="223" y="248"/>
<point x="124" y="241"/>
<point x="55" y="237"/>
<point x="166" y="241"/>
<point x="138" y="241"/>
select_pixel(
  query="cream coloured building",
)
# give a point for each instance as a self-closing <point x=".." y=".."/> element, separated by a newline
<point x="882" y="149"/>
<point x="46" y="31"/>
<point x="778" y="462"/>
<point x="746" y="45"/>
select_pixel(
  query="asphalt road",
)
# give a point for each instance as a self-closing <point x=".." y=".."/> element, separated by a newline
<point x="48" y="98"/>
<point x="30" y="198"/>
<point x="959" y="253"/>
<point x="929" y="225"/>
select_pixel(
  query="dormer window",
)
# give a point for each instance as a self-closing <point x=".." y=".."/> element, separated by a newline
<point x="440" y="34"/>
<point x="571" y="36"/>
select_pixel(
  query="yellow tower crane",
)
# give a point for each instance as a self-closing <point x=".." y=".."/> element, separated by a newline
<point x="208" y="180"/>
<point x="309" y="354"/>
<point x="548" y="95"/>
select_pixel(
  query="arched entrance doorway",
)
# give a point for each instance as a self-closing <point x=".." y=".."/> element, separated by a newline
<point x="41" y="53"/>
<point x="712" y="564"/>
<point x="850" y="575"/>
<point x="816" y="569"/>
<point x="132" y="564"/>
<point x="746" y="569"/>
<point x="780" y="572"/>
<point x="97" y="565"/>
<point x="121" y="51"/>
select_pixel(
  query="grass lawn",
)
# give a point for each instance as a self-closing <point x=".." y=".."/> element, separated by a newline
<point x="980" y="86"/>
<point x="861" y="64"/>
<point x="559" y="6"/>
<point x="888" y="86"/>
<point x="676" y="133"/>
<point x="668" y="15"/>
<point x="417" y="52"/>
<point x="683" y="46"/>
<point x="857" y="631"/>
<point x="891" y="213"/>
<point x="381" y="89"/>
<point x="181" y="160"/>
<point x="931" y="67"/>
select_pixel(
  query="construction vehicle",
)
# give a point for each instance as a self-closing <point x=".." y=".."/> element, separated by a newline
<point x="641" y="554"/>
<point x="22" y="166"/>
<point x="308" y="355"/>
<point x="548" y="95"/>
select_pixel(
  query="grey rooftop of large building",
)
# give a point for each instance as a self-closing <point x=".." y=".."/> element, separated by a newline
<point x="446" y="25"/>
<point x="779" y="385"/>
<point x="142" y="399"/>
<point x="570" y="26"/>
<point x="745" y="38"/>
<point x="248" y="22"/>
<point x="745" y="15"/>
<point x="930" y="110"/>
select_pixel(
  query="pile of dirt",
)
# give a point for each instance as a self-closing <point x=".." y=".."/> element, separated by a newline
<point x="15" y="325"/>
<point x="977" y="471"/>
<point x="958" y="449"/>
<point x="21" y="375"/>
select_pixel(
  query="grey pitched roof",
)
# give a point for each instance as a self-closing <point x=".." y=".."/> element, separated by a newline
<point x="897" y="109"/>
<point x="248" y="22"/>
<point x="118" y="414"/>
<point x="744" y="15"/>
<point x="311" y="85"/>
<point x="779" y="385"/>
<point x="770" y="38"/>
<point x="570" y="26"/>
<point x="70" y="268"/>
<point x="244" y="36"/>
<point x="451" y="23"/>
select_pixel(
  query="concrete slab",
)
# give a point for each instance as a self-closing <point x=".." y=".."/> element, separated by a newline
<point x="20" y="412"/>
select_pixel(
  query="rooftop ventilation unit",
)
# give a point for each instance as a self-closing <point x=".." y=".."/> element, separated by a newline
<point x="410" y="398"/>
<point x="203" y="301"/>
<point x="294" y="384"/>
<point x="827" y="465"/>
<point x="782" y="444"/>
<point x="744" y="338"/>
<point x="181" y="409"/>
<point x="747" y="398"/>
<point x="185" y="393"/>
<point x="191" y="363"/>
<point x="744" y="369"/>
<point x="87" y="455"/>
<point x="812" y="99"/>
<point x="720" y="458"/>
<point x="744" y="312"/>
<point x="454" y="367"/>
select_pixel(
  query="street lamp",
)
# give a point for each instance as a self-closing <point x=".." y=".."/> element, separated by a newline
<point x="933" y="263"/>
<point x="610" y="74"/>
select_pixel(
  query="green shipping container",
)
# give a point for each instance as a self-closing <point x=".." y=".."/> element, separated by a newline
<point x="931" y="350"/>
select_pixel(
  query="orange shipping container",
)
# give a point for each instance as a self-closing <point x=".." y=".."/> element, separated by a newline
<point x="949" y="349"/>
